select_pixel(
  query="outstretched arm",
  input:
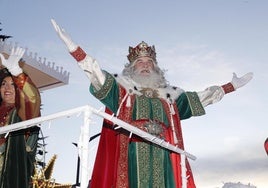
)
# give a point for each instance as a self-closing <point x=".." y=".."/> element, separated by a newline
<point x="85" y="62"/>
<point x="214" y="94"/>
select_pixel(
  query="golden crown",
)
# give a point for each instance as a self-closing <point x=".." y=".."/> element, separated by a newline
<point x="141" y="50"/>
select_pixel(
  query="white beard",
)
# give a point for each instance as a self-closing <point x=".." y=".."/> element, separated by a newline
<point x="153" y="80"/>
<point x="134" y="84"/>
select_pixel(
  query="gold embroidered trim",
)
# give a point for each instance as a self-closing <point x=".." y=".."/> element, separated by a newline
<point x="122" y="165"/>
<point x="195" y="104"/>
<point x="102" y="93"/>
<point x="142" y="107"/>
<point x="157" y="108"/>
<point x="150" y="165"/>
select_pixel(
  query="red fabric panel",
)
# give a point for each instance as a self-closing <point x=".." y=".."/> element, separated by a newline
<point x="104" y="172"/>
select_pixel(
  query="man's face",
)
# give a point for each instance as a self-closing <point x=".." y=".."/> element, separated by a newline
<point x="8" y="90"/>
<point x="144" y="66"/>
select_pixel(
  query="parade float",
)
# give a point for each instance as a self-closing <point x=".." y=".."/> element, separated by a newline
<point x="47" y="75"/>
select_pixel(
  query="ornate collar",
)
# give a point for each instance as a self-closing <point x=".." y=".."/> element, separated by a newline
<point x="169" y="93"/>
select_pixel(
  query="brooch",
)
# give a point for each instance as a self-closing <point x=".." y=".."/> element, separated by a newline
<point x="150" y="93"/>
<point x="154" y="128"/>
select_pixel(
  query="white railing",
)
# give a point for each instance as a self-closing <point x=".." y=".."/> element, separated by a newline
<point x="83" y="144"/>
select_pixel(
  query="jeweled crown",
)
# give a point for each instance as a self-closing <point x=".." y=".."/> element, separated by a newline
<point x="141" y="50"/>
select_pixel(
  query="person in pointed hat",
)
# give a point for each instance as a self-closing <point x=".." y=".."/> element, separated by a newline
<point x="142" y="97"/>
<point x="19" y="100"/>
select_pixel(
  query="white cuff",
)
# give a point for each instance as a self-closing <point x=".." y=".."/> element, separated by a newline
<point x="210" y="95"/>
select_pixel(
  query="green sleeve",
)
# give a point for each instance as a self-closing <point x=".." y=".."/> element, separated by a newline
<point x="108" y="94"/>
<point x="189" y="105"/>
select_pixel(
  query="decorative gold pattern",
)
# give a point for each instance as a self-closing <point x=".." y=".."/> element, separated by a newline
<point x="122" y="165"/>
<point x="122" y="175"/>
<point x="102" y="93"/>
<point x="141" y="50"/>
<point x="150" y="165"/>
<point x="43" y="178"/>
<point x="195" y="104"/>
<point x="157" y="107"/>
<point x="158" y="168"/>
<point x="148" y="108"/>
<point x="142" y="107"/>
<point x="143" y="165"/>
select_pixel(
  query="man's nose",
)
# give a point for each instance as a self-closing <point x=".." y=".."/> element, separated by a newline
<point x="146" y="64"/>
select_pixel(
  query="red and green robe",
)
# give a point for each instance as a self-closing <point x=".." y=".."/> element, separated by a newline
<point x="122" y="161"/>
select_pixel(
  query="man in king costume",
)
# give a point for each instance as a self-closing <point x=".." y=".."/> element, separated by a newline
<point x="143" y="98"/>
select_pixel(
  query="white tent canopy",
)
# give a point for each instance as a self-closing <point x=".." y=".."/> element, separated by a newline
<point x="45" y="75"/>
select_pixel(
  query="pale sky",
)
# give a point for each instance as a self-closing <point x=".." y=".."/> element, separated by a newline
<point x="199" y="43"/>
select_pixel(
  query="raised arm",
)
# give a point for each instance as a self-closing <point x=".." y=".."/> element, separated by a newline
<point x="28" y="94"/>
<point x="12" y="62"/>
<point x="85" y="62"/>
<point x="214" y="94"/>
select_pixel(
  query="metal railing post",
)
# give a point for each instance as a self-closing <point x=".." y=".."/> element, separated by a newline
<point x="83" y="147"/>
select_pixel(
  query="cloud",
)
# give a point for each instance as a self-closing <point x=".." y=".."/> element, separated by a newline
<point x="232" y="165"/>
<point x="194" y="65"/>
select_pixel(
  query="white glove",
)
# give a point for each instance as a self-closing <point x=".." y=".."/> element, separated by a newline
<point x="210" y="95"/>
<point x="64" y="36"/>
<point x="239" y="82"/>
<point x="12" y="63"/>
<point x="88" y="64"/>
